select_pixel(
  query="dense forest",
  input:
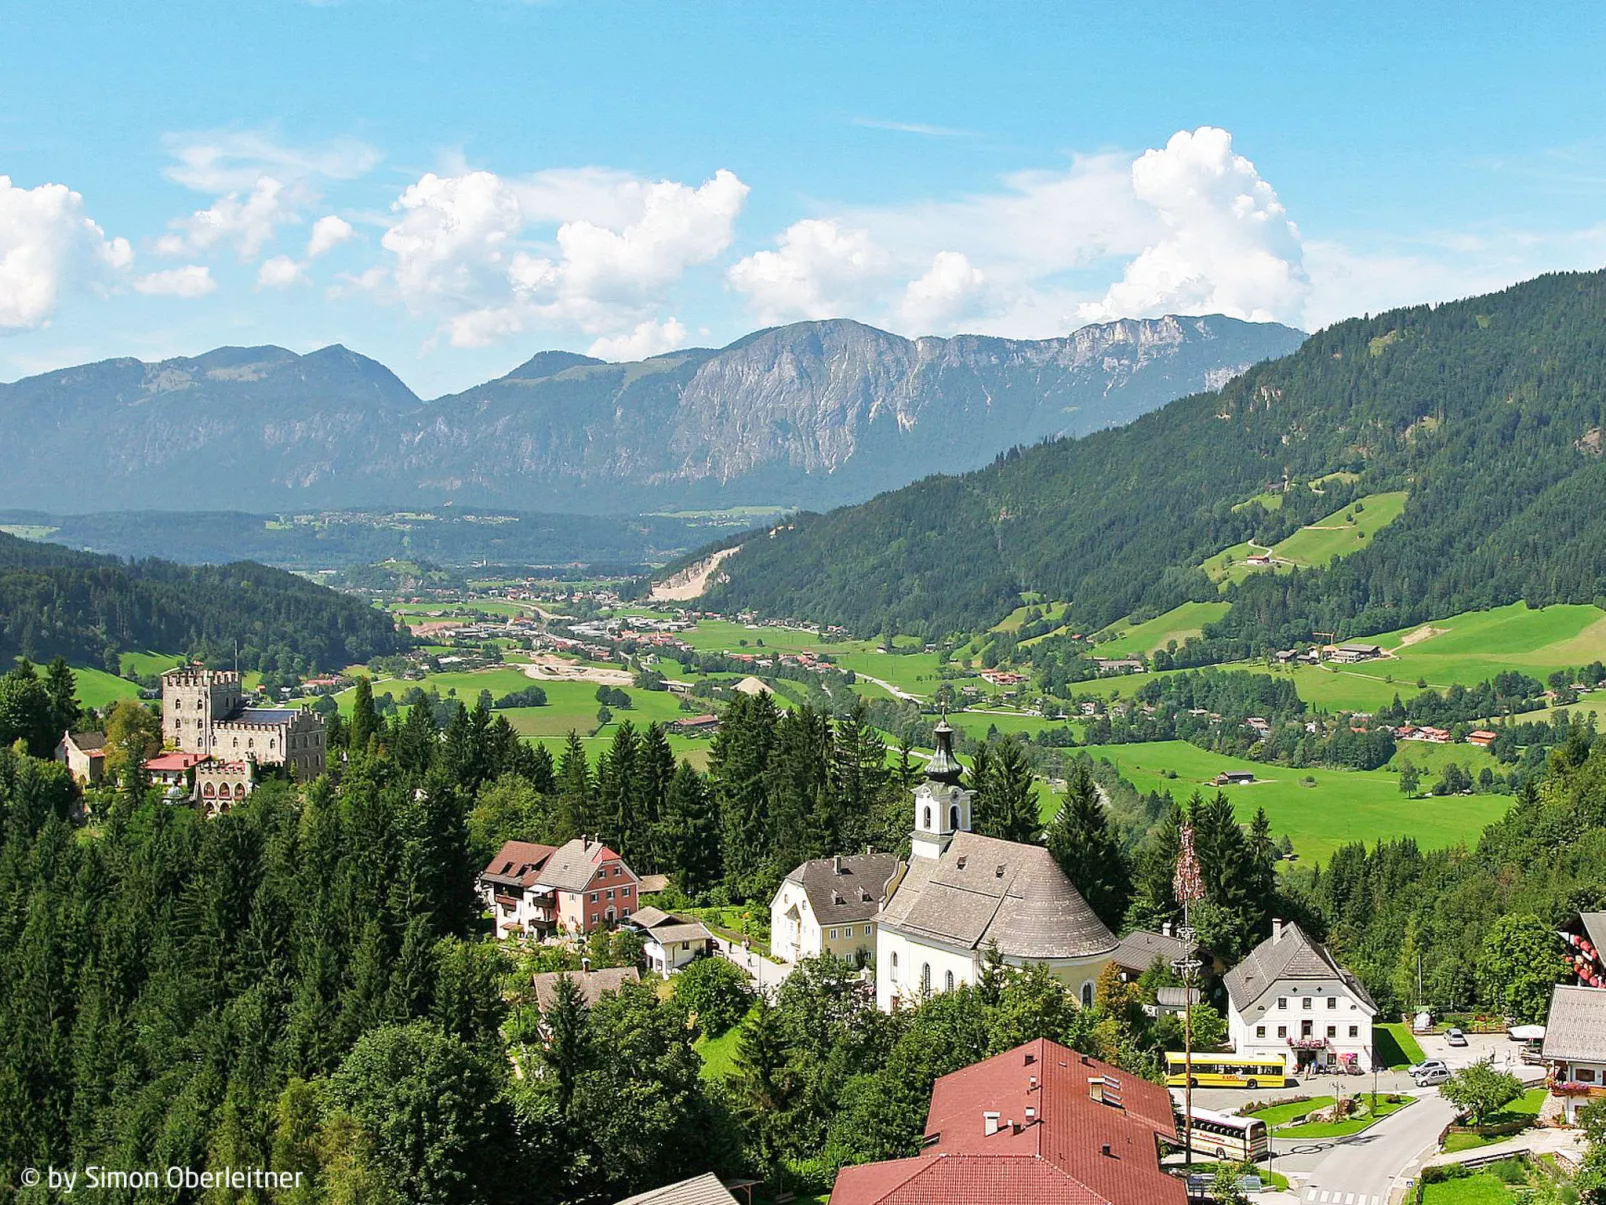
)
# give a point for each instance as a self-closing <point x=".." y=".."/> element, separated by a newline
<point x="1488" y="411"/>
<point x="305" y="983"/>
<point x="89" y="608"/>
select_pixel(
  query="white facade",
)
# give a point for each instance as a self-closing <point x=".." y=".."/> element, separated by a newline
<point x="908" y="967"/>
<point x="667" y="957"/>
<point x="794" y="933"/>
<point x="1288" y="999"/>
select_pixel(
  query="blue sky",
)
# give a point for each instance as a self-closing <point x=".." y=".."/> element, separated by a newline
<point x="450" y="187"/>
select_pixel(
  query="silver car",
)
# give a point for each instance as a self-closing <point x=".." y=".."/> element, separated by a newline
<point x="1432" y="1075"/>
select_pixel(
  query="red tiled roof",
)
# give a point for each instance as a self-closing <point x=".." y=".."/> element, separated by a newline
<point x="1075" y="1148"/>
<point x="168" y="762"/>
<point x="516" y="854"/>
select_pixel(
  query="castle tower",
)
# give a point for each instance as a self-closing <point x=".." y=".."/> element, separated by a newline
<point x="942" y="806"/>
<point x="193" y="700"/>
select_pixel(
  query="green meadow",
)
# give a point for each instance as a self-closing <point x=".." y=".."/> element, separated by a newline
<point x="1177" y="624"/>
<point x="1339" y="807"/>
<point x="1342" y="532"/>
<point x="98" y="689"/>
<point x="148" y="662"/>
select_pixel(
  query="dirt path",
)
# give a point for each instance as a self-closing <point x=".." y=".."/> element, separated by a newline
<point x="544" y="667"/>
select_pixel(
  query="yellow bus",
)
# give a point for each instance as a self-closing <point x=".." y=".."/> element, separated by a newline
<point x="1226" y="1071"/>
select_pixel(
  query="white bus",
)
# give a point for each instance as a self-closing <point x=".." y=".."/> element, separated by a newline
<point x="1223" y="1136"/>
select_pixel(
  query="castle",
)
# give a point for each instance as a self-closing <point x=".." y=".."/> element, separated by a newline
<point x="204" y="712"/>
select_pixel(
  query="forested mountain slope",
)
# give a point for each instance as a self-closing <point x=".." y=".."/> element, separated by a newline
<point x="85" y="607"/>
<point x="1487" y="410"/>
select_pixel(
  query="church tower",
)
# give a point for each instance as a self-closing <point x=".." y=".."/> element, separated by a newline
<point x="942" y="806"/>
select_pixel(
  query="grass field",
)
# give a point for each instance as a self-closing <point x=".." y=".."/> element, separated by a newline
<point x="1342" y="806"/>
<point x="1395" y="1045"/>
<point x="1336" y="535"/>
<point x="98" y="689"/>
<point x="1486" y="1187"/>
<point x="149" y="662"/>
<point x="1475" y="645"/>
<point x="1176" y="624"/>
<point x="1381" y="1108"/>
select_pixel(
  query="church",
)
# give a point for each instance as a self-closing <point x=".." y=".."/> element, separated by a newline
<point x="961" y="892"/>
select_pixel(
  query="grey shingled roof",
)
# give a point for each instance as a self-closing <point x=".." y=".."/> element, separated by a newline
<point x="1139" y="949"/>
<point x="984" y="890"/>
<point x="89" y="742"/>
<point x="592" y="983"/>
<point x="574" y="865"/>
<point x="1575" y="1031"/>
<point x="1292" y="957"/>
<point x="665" y="927"/>
<point x="862" y="875"/>
<point x="699" y="1190"/>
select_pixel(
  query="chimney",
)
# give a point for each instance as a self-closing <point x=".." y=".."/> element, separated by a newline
<point x="1106" y="1151"/>
<point x="1165" y="929"/>
<point x="836" y="863"/>
<point x="989" y="1124"/>
<point x="1276" y="929"/>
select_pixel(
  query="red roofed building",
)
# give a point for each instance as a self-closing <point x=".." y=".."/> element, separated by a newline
<point x="578" y="887"/>
<point x="1039" y="1123"/>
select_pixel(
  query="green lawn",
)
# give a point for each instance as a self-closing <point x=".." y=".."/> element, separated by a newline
<point x="1177" y="624"/>
<point x="1343" y="806"/>
<point x="98" y="689"/>
<point x="1525" y="1108"/>
<point x="1486" y="1187"/>
<point x="1282" y="1114"/>
<point x="1395" y="1045"/>
<point x="719" y="1054"/>
<point x="1476" y="645"/>
<point x="1381" y="1108"/>
<point x="976" y="723"/>
<point x="1275" y="1178"/>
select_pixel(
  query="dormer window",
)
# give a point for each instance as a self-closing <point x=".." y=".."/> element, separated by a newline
<point x="962" y="862"/>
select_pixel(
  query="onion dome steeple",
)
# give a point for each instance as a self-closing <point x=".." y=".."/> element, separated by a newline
<point x="944" y="766"/>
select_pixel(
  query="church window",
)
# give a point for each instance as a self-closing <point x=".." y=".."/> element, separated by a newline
<point x="953" y="817"/>
<point x="1087" y="994"/>
<point x="948" y="981"/>
<point x="925" y="976"/>
<point x="925" y="821"/>
<point x="894" y="960"/>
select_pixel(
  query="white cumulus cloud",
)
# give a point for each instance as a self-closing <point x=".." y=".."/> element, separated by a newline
<point x="47" y="246"/>
<point x="328" y="232"/>
<point x="471" y="247"/>
<point x="951" y="289"/>
<point x="192" y="280"/>
<point x="280" y="272"/>
<point x="648" y="339"/>
<point x="819" y="269"/>
<point x="1228" y="245"/>
<point x="245" y="220"/>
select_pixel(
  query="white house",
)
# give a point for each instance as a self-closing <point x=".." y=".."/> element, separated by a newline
<point x="830" y="905"/>
<point x="962" y="893"/>
<point x="1289" y="999"/>
<point x="670" y="942"/>
<point x="1575" y="1047"/>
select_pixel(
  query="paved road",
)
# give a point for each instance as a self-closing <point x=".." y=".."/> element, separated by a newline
<point x="1362" y="1170"/>
<point x="766" y="975"/>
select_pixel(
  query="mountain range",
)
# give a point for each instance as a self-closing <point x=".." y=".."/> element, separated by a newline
<point x="1486" y="413"/>
<point x="813" y="414"/>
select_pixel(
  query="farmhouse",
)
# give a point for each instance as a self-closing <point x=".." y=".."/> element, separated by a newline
<point x="1289" y="995"/>
<point x="535" y="890"/>
<point x="670" y="942"/>
<point x="1349" y="654"/>
<point x="1482" y="738"/>
<point x="1234" y="778"/>
<point x="961" y="893"/>
<point x="697" y="725"/>
<point x="1575" y="1047"/>
<point x="84" y="755"/>
<point x="830" y="905"/>
<point x="1036" y="1123"/>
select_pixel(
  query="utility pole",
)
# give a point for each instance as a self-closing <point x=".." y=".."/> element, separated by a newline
<point x="1188" y="883"/>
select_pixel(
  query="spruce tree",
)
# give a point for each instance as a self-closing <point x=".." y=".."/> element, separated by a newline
<point x="364" y="723"/>
<point x="1087" y="850"/>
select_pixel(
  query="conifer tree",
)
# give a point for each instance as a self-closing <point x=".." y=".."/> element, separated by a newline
<point x="1087" y="850"/>
<point x="364" y="723"/>
<point x="689" y="833"/>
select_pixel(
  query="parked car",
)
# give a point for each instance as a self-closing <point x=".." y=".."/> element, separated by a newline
<point x="1416" y="1069"/>
<point x="1455" y="1037"/>
<point x="1432" y="1076"/>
